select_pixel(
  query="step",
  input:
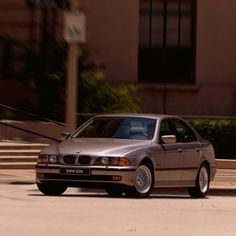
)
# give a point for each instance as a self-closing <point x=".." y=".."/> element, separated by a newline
<point x="22" y="146"/>
<point x="17" y="165"/>
<point x="19" y="152"/>
<point x="18" y="159"/>
<point x="16" y="155"/>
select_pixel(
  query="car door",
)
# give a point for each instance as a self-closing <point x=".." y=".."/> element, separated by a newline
<point x="190" y="150"/>
<point x="169" y="159"/>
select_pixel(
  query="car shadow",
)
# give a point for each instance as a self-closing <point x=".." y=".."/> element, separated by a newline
<point x="222" y="192"/>
<point x="112" y="197"/>
<point x="98" y="193"/>
<point x="157" y="194"/>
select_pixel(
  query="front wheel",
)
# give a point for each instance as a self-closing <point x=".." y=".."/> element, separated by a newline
<point x="202" y="184"/>
<point x="143" y="182"/>
<point x="51" y="189"/>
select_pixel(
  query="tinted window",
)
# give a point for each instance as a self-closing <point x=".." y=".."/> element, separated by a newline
<point x="182" y="131"/>
<point x="165" y="129"/>
<point x="122" y="128"/>
<point x="167" y="41"/>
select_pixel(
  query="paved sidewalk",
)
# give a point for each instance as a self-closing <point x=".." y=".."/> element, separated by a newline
<point x="17" y="176"/>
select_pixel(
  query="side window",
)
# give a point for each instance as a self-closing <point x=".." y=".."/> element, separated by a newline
<point x="165" y="129"/>
<point x="183" y="132"/>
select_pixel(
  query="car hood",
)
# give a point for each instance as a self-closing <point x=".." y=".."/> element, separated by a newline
<point x="96" y="147"/>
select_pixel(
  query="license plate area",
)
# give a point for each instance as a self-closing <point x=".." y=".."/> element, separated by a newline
<point x="75" y="171"/>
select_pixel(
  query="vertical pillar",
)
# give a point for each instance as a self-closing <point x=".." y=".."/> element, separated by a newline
<point x="72" y="79"/>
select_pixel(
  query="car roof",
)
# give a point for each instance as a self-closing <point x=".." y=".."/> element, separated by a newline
<point x="139" y="115"/>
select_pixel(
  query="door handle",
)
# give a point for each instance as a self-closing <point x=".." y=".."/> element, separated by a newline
<point x="197" y="149"/>
<point x="180" y="150"/>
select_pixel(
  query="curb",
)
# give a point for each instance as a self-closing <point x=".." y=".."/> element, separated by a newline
<point x="225" y="164"/>
<point x="14" y="166"/>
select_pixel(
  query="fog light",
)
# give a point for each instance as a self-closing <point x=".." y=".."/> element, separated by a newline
<point x="116" y="178"/>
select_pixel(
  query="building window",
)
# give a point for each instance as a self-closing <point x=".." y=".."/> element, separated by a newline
<point x="166" y="41"/>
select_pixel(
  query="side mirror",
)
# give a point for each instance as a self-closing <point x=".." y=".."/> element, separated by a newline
<point x="168" y="139"/>
<point x="65" y="135"/>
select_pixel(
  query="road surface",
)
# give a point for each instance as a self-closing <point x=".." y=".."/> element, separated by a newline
<point x="26" y="212"/>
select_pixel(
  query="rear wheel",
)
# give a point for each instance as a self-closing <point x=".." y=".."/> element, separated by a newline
<point x="202" y="183"/>
<point x="114" y="191"/>
<point x="51" y="189"/>
<point x="143" y="182"/>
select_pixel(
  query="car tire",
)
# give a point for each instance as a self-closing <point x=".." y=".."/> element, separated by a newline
<point x="202" y="183"/>
<point x="144" y="182"/>
<point x="114" y="191"/>
<point x="51" y="189"/>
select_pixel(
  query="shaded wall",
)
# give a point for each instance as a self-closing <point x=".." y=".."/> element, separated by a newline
<point x="214" y="92"/>
<point x="216" y="56"/>
<point x="113" y="33"/>
<point x="113" y="27"/>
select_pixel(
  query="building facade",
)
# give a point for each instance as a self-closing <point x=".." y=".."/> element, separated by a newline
<point x="181" y="52"/>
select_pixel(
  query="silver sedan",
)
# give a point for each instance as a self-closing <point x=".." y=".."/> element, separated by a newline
<point x="128" y="153"/>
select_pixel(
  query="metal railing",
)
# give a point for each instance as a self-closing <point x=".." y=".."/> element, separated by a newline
<point x="32" y="116"/>
<point x="29" y="114"/>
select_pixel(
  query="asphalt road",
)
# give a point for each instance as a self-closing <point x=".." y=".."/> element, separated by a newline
<point x="26" y="212"/>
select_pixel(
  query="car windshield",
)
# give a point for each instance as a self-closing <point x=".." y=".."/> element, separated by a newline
<point x="118" y="127"/>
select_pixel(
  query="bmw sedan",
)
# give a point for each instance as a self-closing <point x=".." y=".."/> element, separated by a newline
<point x="128" y="153"/>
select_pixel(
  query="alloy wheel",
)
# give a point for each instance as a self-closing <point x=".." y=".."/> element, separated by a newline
<point x="143" y="180"/>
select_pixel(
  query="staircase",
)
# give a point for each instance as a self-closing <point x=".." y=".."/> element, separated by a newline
<point x="15" y="155"/>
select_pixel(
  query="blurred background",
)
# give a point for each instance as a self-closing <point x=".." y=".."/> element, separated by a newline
<point x="151" y="56"/>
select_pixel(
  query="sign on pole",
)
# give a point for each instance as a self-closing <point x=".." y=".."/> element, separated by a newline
<point x="75" y="27"/>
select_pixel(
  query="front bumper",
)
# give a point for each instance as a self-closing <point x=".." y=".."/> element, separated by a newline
<point x="85" y="176"/>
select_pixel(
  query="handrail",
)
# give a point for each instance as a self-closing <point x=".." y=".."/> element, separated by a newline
<point x="29" y="131"/>
<point x="31" y="115"/>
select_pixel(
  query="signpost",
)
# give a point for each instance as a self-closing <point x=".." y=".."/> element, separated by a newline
<point x="74" y="33"/>
<point x="75" y="27"/>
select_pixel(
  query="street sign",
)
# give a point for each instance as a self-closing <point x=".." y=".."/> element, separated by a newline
<point x="75" y="27"/>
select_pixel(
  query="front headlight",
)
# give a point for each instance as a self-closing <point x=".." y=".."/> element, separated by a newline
<point x="46" y="159"/>
<point x="112" y="161"/>
<point x="53" y="159"/>
<point x="105" y="160"/>
<point x="43" y="159"/>
<point x="39" y="159"/>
